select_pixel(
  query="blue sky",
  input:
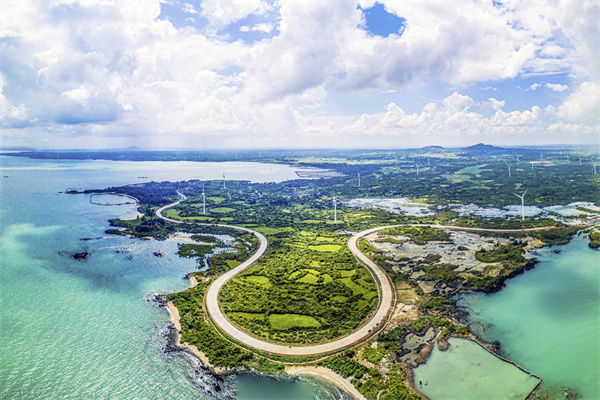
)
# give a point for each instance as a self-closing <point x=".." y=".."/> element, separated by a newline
<point x="265" y="74"/>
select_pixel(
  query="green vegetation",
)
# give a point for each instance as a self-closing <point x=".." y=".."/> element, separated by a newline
<point x="284" y="322"/>
<point x="345" y="365"/>
<point x="198" y="251"/>
<point x="312" y="296"/>
<point x="595" y="240"/>
<point x="143" y="227"/>
<point x="555" y="236"/>
<point x="438" y="304"/>
<point x="374" y="354"/>
<point x="308" y="288"/>
<point x="325" y="247"/>
<point x="419" y="234"/>
<point x="510" y="253"/>
<point x="436" y="322"/>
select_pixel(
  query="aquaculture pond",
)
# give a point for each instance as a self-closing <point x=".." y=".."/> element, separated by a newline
<point x="467" y="371"/>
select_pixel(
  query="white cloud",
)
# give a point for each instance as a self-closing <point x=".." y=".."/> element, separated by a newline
<point x="582" y="104"/>
<point x="223" y="13"/>
<point x="189" y="8"/>
<point x="115" y="69"/>
<point x="557" y="87"/>
<point x="494" y="104"/>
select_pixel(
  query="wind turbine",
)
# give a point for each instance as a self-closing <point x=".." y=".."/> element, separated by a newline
<point x="427" y="160"/>
<point x="417" y="169"/>
<point x="223" y="180"/>
<point x="579" y="160"/>
<point x="203" y="202"/>
<point x="358" y="179"/>
<point x="522" y="197"/>
<point x="334" y="210"/>
<point x="594" y="168"/>
<point x="508" y="168"/>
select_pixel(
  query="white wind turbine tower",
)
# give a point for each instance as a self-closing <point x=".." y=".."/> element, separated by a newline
<point x="358" y="179"/>
<point x="522" y="197"/>
<point x="417" y="169"/>
<point x="223" y="180"/>
<point x="203" y="202"/>
<point x="594" y="168"/>
<point x="508" y="168"/>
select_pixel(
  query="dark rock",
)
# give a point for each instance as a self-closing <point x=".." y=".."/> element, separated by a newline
<point x="157" y="299"/>
<point x="80" y="256"/>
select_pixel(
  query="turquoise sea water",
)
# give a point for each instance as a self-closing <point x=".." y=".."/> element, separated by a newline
<point x="467" y="371"/>
<point x="80" y="329"/>
<point x="548" y="319"/>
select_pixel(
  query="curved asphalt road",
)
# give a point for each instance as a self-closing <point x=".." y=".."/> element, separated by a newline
<point x="212" y="297"/>
<point x="386" y="293"/>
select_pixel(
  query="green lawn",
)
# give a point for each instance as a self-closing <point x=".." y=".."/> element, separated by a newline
<point x="222" y="210"/>
<point x="325" y="247"/>
<point x="308" y="278"/>
<point x="282" y="322"/>
<point x="356" y="288"/>
<point x="261" y="280"/>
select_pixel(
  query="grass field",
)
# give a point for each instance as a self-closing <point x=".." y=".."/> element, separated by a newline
<point x="265" y="230"/>
<point x="308" y="278"/>
<point x="261" y="280"/>
<point x="325" y="247"/>
<point x="283" y="322"/>
<point x="174" y="214"/>
<point x="222" y="210"/>
<point x="356" y="288"/>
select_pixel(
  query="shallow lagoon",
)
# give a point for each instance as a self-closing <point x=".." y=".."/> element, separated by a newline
<point x="548" y="319"/>
<point x="467" y="371"/>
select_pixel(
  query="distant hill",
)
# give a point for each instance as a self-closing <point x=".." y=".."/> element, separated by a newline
<point x="433" y="148"/>
<point x="484" y="148"/>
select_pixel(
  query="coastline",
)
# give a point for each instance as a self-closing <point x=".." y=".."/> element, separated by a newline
<point x="175" y="318"/>
<point x="314" y="371"/>
<point x="327" y="374"/>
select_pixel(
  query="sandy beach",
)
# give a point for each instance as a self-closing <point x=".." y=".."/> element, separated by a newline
<point x="326" y="374"/>
<point x="191" y="348"/>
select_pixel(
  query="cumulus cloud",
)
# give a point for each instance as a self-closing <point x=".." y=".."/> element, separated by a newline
<point x="263" y="27"/>
<point x="118" y="69"/>
<point x="582" y="104"/>
<point x="222" y="13"/>
<point x="452" y="121"/>
<point x="557" y="87"/>
<point x="494" y="104"/>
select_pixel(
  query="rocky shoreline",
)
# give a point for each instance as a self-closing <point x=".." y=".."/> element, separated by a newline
<point x="218" y="385"/>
